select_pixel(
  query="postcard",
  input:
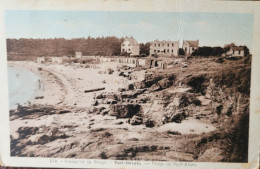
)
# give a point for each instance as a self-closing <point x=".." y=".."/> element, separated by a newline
<point x="130" y="84"/>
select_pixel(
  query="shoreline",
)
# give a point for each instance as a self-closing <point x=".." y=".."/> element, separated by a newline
<point x="162" y="113"/>
<point x="36" y="91"/>
<point x="63" y="87"/>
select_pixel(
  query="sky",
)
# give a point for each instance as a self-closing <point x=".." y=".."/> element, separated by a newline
<point x="211" y="29"/>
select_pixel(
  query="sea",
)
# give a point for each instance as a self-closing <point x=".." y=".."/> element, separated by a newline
<point x="22" y="85"/>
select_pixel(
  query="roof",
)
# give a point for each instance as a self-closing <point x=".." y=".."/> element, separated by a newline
<point x="237" y="48"/>
<point x="165" y="41"/>
<point x="192" y="43"/>
<point x="132" y="41"/>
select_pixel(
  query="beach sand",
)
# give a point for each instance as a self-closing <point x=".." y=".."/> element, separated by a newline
<point x="65" y="85"/>
<point x="66" y="124"/>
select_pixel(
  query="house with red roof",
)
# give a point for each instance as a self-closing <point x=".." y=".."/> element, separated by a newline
<point x="130" y="46"/>
<point x="190" y="46"/>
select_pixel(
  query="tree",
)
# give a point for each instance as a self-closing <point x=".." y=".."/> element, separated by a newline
<point x="207" y="51"/>
<point x="246" y="50"/>
<point x="105" y="46"/>
<point x="145" y="48"/>
<point x="229" y="46"/>
<point x="181" y="51"/>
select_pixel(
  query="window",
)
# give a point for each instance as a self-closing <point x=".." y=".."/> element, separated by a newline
<point x="128" y="44"/>
<point x="172" y="44"/>
<point x="129" y="49"/>
<point x="192" y="49"/>
<point x="172" y="50"/>
<point x="155" y="44"/>
<point x="154" y="51"/>
<point x="123" y="44"/>
<point x="159" y="44"/>
<point x="233" y="52"/>
<point x="123" y="50"/>
<point x="168" y="50"/>
<point x="168" y="45"/>
<point x="163" y="44"/>
<point x="239" y="52"/>
<point x="158" y="51"/>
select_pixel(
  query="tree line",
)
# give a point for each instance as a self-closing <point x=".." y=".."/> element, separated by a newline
<point x="207" y="51"/>
<point x="27" y="48"/>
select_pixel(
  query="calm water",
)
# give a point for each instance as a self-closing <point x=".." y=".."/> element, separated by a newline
<point x="22" y="85"/>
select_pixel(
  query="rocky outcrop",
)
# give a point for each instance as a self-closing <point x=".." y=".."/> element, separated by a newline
<point x="136" y="120"/>
<point x="125" y="110"/>
<point x="27" y="131"/>
<point x="35" y="111"/>
<point x="149" y="123"/>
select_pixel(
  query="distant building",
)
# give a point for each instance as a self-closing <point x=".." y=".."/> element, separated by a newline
<point x="57" y="60"/>
<point x="164" y="47"/>
<point x="41" y="59"/>
<point x="78" y="55"/>
<point x="236" y="52"/>
<point x="190" y="46"/>
<point x="130" y="46"/>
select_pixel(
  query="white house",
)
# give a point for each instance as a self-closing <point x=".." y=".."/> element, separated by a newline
<point x="78" y="55"/>
<point x="130" y="46"/>
<point x="164" y="47"/>
<point x="190" y="46"/>
<point x="57" y="60"/>
<point x="41" y="59"/>
<point x="236" y="52"/>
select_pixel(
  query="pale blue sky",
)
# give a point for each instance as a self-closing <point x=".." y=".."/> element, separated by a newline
<point x="212" y="29"/>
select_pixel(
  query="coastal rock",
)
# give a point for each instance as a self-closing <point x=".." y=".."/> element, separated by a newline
<point x="101" y="96"/>
<point x="39" y="97"/>
<point x="136" y="120"/>
<point x="149" y="123"/>
<point x="111" y="101"/>
<point x="178" y="117"/>
<point x="27" y="131"/>
<point x="213" y="154"/>
<point x="131" y="87"/>
<point x="173" y="132"/>
<point x="155" y="87"/>
<point x="95" y="103"/>
<point x="121" y="89"/>
<point x="104" y="112"/>
<point x="218" y="109"/>
<point x="165" y="83"/>
<point x="112" y="96"/>
<point x="64" y="111"/>
<point x="110" y="71"/>
<point x="186" y="99"/>
<point x="98" y="110"/>
<point x="139" y="85"/>
<point x="121" y="74"/>
<point x="125" y="110"/>
<point x="43" y="139"/>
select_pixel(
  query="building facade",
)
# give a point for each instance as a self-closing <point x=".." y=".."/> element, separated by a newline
<point x="130" y="46"/>
<point x="41" y="59"/>
<point x="236" y="52"/>
<point x="58" y="60"/>
<point x="190" y="46"/>
<point x="78" y="55"/>
<point x="170" y="48"/>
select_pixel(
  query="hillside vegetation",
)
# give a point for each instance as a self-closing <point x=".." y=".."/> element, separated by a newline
<point x="26" y="49"/>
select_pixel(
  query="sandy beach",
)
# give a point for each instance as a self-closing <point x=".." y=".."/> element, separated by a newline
<point x="154" y="115"/>
<point x="65" y="85"/>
